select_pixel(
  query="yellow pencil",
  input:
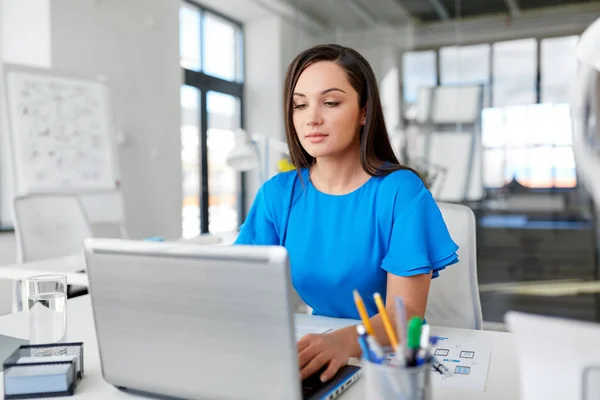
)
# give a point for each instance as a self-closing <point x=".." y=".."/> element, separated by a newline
<point x="386" y="321"/>
<point x="362" y="311"/>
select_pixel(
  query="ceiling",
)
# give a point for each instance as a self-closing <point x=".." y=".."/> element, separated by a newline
<point x="362" y="14"/>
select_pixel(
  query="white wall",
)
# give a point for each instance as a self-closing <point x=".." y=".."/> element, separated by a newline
<point x="271" y="44"/>
<point x="262" y="96"/>
<point x="25" y="40"/>
<point x="6" y="285"/>
<point x="135" y="43"/>
<point x="26" y="32"/>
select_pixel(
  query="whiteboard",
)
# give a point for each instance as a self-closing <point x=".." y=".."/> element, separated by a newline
<point x="60" y="132"/>
<point x="457" y="104"/>
<point x="449" y="104"/>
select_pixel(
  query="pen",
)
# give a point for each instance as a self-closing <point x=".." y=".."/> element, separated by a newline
<point x="363" y="343"/>
<point x="441" y="368"/>
<point x="414" y="339"/>
<point x="386" y="322"/>
<point x="362" y="311"/>
<point x="425" y="350"/>
<point x="400" y="319"/>
<point x="377" y="352"/>
<point x="370" y="348"/>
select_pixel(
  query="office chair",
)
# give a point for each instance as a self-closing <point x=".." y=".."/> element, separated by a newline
<point x="49" y="226"/>
<point x="454" y="295"/>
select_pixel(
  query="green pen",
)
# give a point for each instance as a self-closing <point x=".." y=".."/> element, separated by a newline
<point x="413" y="341"/>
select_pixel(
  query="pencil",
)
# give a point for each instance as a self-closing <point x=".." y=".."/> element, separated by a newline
<point x="386" y="321"/>
<point x="362" y="311"/>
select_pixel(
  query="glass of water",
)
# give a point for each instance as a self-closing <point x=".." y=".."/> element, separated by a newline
<point x="47" y="300"/>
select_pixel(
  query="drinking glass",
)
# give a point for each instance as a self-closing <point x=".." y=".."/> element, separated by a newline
<point x="47" y="301"/>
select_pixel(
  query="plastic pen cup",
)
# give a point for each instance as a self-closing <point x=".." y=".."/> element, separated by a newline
<point x="393" y="382"/>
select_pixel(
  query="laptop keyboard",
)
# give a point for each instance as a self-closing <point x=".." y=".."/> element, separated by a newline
<point x="314" y="389"/>
<point x="312" y="384"/>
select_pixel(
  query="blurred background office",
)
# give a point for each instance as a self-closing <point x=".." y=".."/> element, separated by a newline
<point x="477" y="96"/>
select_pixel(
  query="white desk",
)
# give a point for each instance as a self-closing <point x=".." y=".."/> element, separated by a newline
<point x="502" y="378"/>
<point x="68" y="265"/>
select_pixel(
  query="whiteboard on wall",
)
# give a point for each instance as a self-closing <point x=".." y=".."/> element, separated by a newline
<point x="61" y="132"/>
<point x="457" y="104"/>
<point x="449" y="104"/>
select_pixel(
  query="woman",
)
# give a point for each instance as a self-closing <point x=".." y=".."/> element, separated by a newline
<point x="351" y="217"/>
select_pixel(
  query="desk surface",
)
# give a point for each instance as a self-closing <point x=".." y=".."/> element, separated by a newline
<point x="68" y="266"/>
<point x="502" y="378"/>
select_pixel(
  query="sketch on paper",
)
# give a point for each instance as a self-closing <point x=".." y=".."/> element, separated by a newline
<point x="61" y="133"/>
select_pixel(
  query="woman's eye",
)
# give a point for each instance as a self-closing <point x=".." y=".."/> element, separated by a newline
<point x="299" y="106"/>
<point x="332" y="103"/>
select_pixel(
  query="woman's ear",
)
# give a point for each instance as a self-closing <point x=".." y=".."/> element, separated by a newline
<point x="363" y="116"/>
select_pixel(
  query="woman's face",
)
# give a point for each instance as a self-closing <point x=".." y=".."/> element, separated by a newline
<point x="326" y="113"/>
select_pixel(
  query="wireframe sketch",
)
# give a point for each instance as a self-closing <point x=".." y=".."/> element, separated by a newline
<point x="60" y="133"/>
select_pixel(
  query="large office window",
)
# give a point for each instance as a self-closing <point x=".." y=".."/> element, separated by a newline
<point x="211" y="108"/>
<point x="558" y="66"/>
<point x="466" y="65"/>
<point x="526" y="125"/>
<point x="515" y="72"/>
<point x="528" y="130"/>
<point x="418" y="70"/>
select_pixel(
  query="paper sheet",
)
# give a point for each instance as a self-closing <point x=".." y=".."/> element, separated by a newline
<point x="468" y="358"/>
<point x="306" y="324"/>
<point x="305" y="330"/>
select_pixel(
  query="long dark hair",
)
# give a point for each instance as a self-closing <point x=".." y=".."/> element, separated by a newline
<point x="376" y="154"/>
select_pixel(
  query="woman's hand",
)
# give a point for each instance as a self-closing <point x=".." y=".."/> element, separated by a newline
<point x="316" y="351"/>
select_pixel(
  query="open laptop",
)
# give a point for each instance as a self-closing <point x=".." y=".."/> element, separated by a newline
<point x="559" y="358"/>
<point x="199" y="322"/>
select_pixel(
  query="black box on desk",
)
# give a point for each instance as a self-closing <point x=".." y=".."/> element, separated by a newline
<point x="43" y="370"/>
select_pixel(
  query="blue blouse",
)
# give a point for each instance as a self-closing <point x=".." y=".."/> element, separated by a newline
<point x="338" y="243"/>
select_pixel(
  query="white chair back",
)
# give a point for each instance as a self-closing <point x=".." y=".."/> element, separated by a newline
<point x="454" y="296"/>
<point x="105" y="212"/>
<point x="49" y="226"/>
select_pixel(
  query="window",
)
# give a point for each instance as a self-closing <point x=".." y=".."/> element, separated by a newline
<point x="418" y="70"/>
<point x="189" y="37"/>
<point x="466" y="65"/>
<point x="529" y="143"/>
<point x="224" y="116"/>
<point x="515" y="72"/>
<point x="190" y="160"/>
<point x="526" y="125"/>
<point x="558" y="62"/>
<point x="222" y="48"/>
<point x="211" y="103"/>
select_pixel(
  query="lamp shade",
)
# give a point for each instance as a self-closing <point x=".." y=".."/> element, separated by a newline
<point x="588" y="48"/>
<point x="243" y="157"/>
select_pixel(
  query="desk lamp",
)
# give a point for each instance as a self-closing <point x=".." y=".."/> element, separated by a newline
<point x="245" y="156"/>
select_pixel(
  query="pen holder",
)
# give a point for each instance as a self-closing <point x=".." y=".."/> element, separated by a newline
<point x="395" y="382"/>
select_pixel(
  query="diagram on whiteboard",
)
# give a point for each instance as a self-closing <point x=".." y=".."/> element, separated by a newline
<point x="60" y="133"/>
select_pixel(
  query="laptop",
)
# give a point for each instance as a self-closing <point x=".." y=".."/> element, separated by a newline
<point x="199" y="322"/>
<point x="559" y="358"/>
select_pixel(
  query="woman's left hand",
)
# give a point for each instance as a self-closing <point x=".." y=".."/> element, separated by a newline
<point x="316" y="351"/>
